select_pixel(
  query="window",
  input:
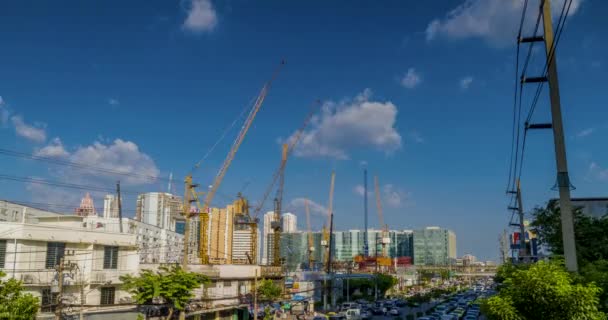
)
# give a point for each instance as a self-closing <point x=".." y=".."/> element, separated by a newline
<point x="49" y="300"/>
<point x="107" y="295"/>
<point x="2" y="253"/>
<point x="54" y="252"/>
<point x="227" y="283"/>
<point x="110" y="257"/>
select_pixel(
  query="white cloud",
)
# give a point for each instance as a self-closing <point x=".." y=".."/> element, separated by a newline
<point x="297" y="205"/>
<point x="30" y="132"/>
<point x="113" y="102"/>
<point x="3" y="113"/>
<point x="391" y="195"/>
<point x="411" y="79"/>
<point x="54" y="149"/>
<point x="201" y="16"/>
<point x="350" y="124"/>
<point x="465" y="82"/>
<point x="494" y="21"/>
<point x="585" y="132"/>
<point x="1" y="100"/>
<point x="598" y="172"/>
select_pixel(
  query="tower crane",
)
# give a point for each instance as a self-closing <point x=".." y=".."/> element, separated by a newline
<point x="191" y="195"/>
<point x="326" y="236"/>
<point x="386" y="240"/>
<point x="311" y="247"/>
<point x="278" y="175"/>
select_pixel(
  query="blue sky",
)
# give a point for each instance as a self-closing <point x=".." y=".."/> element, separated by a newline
<point x="421" y="92"/>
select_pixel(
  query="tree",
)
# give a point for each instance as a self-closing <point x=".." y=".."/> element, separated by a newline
<point x="544" y="290"/>
<point x="14" y="303"/>
<point x="268" y="290"/>
<point x="597" y="272"/>
<point x="170" y="285"/>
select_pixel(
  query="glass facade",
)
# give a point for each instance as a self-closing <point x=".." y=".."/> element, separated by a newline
<point x="434" y="246"/>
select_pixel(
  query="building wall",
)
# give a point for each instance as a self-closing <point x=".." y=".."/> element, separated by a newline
<point x="290" y="222"/>
<point x="434" y="246"/>
<point x="268" y="217"/>
<point x="110" y="206"/>
<point x="159" y="209"/>
<point x="221" y="223"/>
<point x="241" y="246"/>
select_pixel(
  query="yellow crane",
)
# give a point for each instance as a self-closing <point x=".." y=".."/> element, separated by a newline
<point x="326" y="236"/>
<point x="311" y="247"/>
<point x="190" y="194"/>
<point x="279" y="174"/>
<point x="386" y="240"/>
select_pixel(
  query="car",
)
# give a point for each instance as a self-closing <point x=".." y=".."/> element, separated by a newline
<point x="401" y="304"/>
<point x="394" y="312"/>
<point x="366" y="315"/>
<point x="315" y="318"/>
<point x="337" y="317"/>
<point x="377" y="311"/>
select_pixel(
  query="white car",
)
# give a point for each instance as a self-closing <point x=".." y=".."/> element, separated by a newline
<point x="394" y="312"/>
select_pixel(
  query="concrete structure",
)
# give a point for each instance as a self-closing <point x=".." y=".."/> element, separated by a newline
<point x="289" y="222"/>
<point x="268" y="217"/>
<point x="241" y="247"/>
<point x="87" y="208"/>
<point x="159" y="209"/>
<point x="33" y="243"/>
<point x="110" y="206"/>
<point x="221" y="224"/>
<point x="593" y="207"/>
<point x="434" y="246"/>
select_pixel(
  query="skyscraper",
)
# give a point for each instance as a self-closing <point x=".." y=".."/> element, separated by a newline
<point x="290" y="222"/>
<point x="268" y="217"/>
<point x="159" y="209"/>
<point x="110" y="206"/>
<point x="434" y="246"/>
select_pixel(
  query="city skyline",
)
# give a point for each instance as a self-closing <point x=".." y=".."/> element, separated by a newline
<point x="149" y="94"/>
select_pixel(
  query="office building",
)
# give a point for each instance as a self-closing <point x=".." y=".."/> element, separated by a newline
<point x="159" y="209"/>
<point x="267" y="229"/>
<point x="434" y="246"/>
<point x="110" y="206"/>
<point x="289" y="222"/>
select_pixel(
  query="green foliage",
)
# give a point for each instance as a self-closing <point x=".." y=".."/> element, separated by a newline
<point x="545" y="290"/>
<point x="14" y="304"/>
<point x="140" y="316"/>
<point x="597" y="272"/>
<point x="590" y="233"/>
<point x="385" y="282"/>
<point x="268" y="290"/>
<point x="170" y="284"/>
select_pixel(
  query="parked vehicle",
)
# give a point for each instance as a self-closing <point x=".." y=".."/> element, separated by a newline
<point x="353" y="314"/>
<point x="394" y="312"/>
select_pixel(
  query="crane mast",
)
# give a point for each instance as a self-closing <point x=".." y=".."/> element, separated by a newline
<point x="311" y="247"/>
<point x="190" y="187"/>
<point x="386" y="240"/>
<point x="326" y="236"/>
<point x="276" y="223"/>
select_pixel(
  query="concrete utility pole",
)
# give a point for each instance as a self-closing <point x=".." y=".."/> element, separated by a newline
<point x="186" y="208"/>
<point x="119" y="200"/>
<point x="563" y="180"/>
<point x="255" y="295"/>
<point x="59" y="301"/>
<point x="522" y="227"/>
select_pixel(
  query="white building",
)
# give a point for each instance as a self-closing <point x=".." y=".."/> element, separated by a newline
<point x="241" y="247"/>
<point x="33" y="242"/>
<point x="110" y="206"/>
<point x="159" y="209"/>
<point x="290" y="222"/>
<point x="268" y="218"/>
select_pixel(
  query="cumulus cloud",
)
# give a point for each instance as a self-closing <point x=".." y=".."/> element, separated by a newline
<point x="54" y="149"/>
<point x="494" y="21"/>
<point x="201" y="16"/>
<point x="465" y="82"/>
<point x="411" y="79"/>
<point x="585" y="132"/>
<point x="297" y="205"/>
<point x="348" y="125"/>
<point x="35" y="133"/>
<point x="391" y="195"/>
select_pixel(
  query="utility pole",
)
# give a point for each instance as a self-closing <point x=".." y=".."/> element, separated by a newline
<point x="329" y="269"/>
<point x="255" y="295"/>
<point x="119" y="200"/>
<point x="365" y="243"/>
<point x="59" y="301"/>
<point x="522" y="228"/>
<point x="563" y="180"/>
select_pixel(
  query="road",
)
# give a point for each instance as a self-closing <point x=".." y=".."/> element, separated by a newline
<point x="405" y="311"/>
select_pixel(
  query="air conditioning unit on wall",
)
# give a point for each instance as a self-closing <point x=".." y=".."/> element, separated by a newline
<point x="27" y="279"/>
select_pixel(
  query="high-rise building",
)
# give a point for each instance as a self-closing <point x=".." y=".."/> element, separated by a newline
<point x="110" y="206"/>
<point x="159" y="209"/>
<point x="86" y="207"/>
<point x="290" y="222"/>
<point x="221" y="224"/>
<point x="267" y="229"/>
<point x="241" y="247"/>
<point x="434" y="246"/>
